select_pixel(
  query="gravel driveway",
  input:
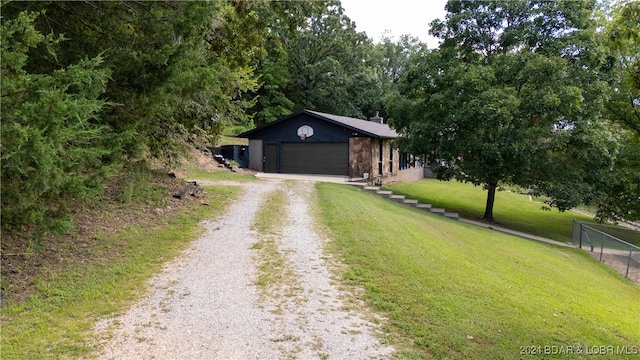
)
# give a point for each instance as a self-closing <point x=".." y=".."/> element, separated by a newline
<point x="206" y="305"/>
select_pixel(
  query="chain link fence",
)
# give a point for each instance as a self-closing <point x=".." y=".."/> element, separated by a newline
<point x="619" y="254"/>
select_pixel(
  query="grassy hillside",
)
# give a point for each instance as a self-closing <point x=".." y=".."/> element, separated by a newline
<point x="452" y="290"/>
<point x="511" y="210"/>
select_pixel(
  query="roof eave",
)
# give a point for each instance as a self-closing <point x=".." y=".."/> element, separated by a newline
<point x="367" y="133"/>
<point x="317" y="115"/>
<point x="259" y="128"/>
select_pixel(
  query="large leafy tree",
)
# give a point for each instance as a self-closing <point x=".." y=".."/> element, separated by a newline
<point x="620" y="189"/>
<point x="392" y="60"/>
<point x="315" y="59"/>
<point x="330" y="66"/>
<point x="395" y="57"/>
<point x="281" y="21"/>
<point x="509" y="93"/>
<point x="624" y="39"/>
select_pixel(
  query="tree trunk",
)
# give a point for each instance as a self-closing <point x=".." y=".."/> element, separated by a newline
<point x="491" y="196"/>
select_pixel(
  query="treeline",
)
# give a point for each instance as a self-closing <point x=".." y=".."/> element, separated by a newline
<point x="88" y="86"/>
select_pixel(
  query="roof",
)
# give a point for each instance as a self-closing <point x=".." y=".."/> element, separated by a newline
<point x="368" y="128"/>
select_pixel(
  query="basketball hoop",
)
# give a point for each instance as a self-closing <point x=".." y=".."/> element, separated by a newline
<point x="305" y="131"/>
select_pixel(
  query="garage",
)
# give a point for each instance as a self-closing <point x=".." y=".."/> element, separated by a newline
<point x="311" y="142"/>
<point x="315" y="158"/>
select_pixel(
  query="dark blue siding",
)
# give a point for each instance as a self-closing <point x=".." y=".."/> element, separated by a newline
<point x="286" y="131"/>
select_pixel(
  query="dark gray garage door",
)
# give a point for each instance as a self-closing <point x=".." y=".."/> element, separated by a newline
<point x="315" y="158"/>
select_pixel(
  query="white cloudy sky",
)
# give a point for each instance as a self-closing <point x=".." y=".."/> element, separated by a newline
<point x="400" y="17"/>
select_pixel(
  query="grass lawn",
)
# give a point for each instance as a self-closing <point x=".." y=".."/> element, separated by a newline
<point x="232" y="140"/>
<point x="196" y="173"/>
<point x="453" y="290"/>
<point x="511" y="210"/>
<point x="57" y="321"/>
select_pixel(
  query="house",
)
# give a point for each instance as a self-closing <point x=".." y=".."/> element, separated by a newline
<point x="311" y="142"/>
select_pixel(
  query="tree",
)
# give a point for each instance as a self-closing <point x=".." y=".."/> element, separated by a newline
<point x="54" y="148"/>
<point x="112" y="81"/>
<point x="391" y="60"/>
<point x="510" y="89"/>
<point x="395" y="57"/>
<point x="315" y="59"/>
<point x="281" y="21"/>
<point x="329" y="66"/>
<point x="624" y="36"/>
<point x="178" y="69"/>
<point x="620" y="189"/>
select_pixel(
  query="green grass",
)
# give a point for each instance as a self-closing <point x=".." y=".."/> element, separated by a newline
<point x="199" y="174"/>
<point x="511" y="209"/>
<point x="453" y="290"/>
<point x="230" y="139"/>
<point x="268" y="221"/>
<point x="135" y="184"/>
<point x="57" y="321"/>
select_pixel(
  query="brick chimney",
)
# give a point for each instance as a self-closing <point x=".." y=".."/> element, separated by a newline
<point x="377" y="118"/>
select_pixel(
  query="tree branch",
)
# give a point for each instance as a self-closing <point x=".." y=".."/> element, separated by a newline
<point x="623" y="119"/>
<point x="87" y="25"/>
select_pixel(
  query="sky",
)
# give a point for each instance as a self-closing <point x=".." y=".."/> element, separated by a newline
<point x="400" y="17"/>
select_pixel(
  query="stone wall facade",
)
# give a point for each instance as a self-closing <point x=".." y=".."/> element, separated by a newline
<point x="360" y="157"/>
<point x="366" y="162"/>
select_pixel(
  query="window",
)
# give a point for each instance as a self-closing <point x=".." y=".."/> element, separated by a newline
<point x="390" y="159"/>
<point x="380" y="157"/>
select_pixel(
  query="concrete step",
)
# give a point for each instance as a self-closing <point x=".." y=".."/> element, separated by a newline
<point x="425" y="207"/>
<point x="452" y="215"/>
<point x="411" y="202"/>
